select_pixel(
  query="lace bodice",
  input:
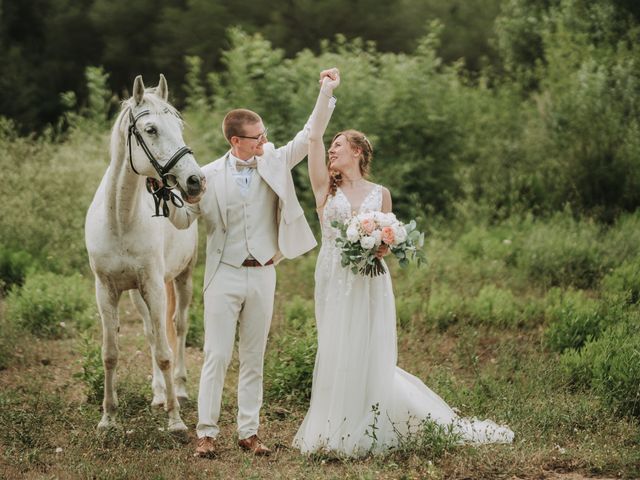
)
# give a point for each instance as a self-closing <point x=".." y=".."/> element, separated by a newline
<point x="339" y="208"/>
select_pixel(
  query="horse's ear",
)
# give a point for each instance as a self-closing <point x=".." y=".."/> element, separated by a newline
<point x="162" y="90"/>
<point x="138" y="89"/>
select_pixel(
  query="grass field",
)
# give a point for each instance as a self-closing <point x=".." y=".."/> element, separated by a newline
<point x="48" y="420"/>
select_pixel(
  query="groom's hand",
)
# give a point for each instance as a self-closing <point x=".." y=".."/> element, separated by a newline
<point x="330" y="78"/>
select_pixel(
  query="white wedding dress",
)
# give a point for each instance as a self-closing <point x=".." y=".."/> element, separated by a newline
<point x="361" y="402"/>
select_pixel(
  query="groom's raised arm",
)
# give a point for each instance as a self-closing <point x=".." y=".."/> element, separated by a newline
<point x="295" y="151"/>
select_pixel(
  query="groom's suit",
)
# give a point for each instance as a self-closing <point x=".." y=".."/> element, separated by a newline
<point x="265" y="223"/>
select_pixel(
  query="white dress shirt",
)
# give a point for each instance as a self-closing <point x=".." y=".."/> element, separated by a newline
<point x="242" y="176"/>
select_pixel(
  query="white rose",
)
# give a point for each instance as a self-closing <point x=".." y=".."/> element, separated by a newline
<point x="352" y="233"/>
<point x="400" y="234"/>
<point x="387" y="219"/>
<point x="377" y="236"/>
<point x="367" y="242"/>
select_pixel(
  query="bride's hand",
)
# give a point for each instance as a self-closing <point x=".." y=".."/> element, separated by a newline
<point x="382" y="251"/>
<point x="330" y="78"/>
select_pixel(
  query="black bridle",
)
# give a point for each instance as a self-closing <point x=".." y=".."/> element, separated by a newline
<point x="159" y="190"/>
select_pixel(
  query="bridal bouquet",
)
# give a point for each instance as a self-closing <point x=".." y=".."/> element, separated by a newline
<point x="362" y="235"/>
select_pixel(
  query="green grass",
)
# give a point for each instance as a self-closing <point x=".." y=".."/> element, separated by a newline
<point x="487" y="339"/>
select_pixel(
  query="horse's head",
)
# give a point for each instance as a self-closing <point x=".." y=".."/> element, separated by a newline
<point x="156" y="145"/>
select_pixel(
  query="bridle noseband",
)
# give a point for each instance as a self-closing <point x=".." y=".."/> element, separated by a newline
<point x="160" y="191"/>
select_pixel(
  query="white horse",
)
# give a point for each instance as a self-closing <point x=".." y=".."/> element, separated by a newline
<point x="130" y="250"/>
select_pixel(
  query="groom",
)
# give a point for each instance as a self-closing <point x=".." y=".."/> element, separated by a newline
<point x="253" y="220"/>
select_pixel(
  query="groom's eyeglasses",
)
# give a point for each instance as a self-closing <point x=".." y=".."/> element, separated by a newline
<point x="262" y="136"/>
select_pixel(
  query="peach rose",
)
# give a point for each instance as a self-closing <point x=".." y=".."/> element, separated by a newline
<point x="388" y="235"/>
<point x="368" y="225"/>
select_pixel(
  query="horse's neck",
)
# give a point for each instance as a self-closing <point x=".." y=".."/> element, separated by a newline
<point x="123" y="191"/>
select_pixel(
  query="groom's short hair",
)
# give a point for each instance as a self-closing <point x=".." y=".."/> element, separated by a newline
<point x="234" y="122"/>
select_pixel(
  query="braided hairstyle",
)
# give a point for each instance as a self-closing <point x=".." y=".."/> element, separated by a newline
<point x="356" y="139"/>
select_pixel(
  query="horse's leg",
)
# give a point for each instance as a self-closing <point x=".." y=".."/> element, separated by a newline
<point x="171" y="311"/>
<point x="157" y="382"/>
<point x="107" y="297"/>
<point x="184" y="290"/>
<point x="152" y="291"/>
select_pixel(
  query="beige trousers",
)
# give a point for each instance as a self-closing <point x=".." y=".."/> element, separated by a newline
<point x="244" y="297"/>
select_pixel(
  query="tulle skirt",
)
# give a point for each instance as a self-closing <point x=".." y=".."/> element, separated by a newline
<point x="361" y="402"/>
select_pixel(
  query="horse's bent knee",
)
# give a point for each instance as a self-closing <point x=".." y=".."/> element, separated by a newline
<point x="164" y="364"/>
<point x="110" y="362"/>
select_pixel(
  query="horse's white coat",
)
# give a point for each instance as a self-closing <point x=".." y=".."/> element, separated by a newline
<point x="131" y="250"/>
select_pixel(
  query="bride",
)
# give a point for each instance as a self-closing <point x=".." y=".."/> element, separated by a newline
<point x="361" y="402"/>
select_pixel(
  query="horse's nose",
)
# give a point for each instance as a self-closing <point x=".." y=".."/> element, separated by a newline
<point x="193" y="185"/>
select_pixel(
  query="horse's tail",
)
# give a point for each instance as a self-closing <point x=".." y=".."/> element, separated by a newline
<point x="171" y="313"/>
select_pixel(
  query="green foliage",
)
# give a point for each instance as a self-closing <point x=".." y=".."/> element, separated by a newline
<point x="408" y="307"/>
<point x="429" y="440"/>
<point x="624" y="282"/>
<point x="14" y="266"/>
<point x="196" y="95"/>
<point x="195" y="334"/>
<point x="445" y="306"/>
<point x="46" y="215"/>
<point x="92" y="374"/>
<point x="11" y="342"/>
<point x="610" y="365"/>
<point x="92" y="116"/>
<point x="563" y="252"/>
<point x="291" y="355"/>
<point x="495" y="306"/>
<point x="573" y="318"/>
<point x="49" y="305"/>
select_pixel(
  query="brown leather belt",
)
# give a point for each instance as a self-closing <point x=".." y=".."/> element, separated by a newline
<point x="252" y="262"/>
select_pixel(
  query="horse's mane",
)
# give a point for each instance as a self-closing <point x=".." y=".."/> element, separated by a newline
<point x="151" y="101"/>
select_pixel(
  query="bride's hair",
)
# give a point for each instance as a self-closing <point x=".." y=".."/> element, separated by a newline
<point x="356" y="139"/>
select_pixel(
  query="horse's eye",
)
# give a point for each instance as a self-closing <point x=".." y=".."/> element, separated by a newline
<point x="151" y="130"/>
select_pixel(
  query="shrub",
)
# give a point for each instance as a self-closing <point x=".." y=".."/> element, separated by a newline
<point x="624" y="282"/>
<point x="445" y="307"/>
<point x="573" y="319"/>
<point x="494" y="306"/>
<point x="563" y="252"/>
<point x="430" y="440"/>
<point x="610" y="365"/>
<point x="47" y="304"/>
<point x="13" y="267"/>
<point x="408" y="306"/>
<point x="92" y="374"/>
<point x="9" y="342"/>
<point x="291" y="355"/>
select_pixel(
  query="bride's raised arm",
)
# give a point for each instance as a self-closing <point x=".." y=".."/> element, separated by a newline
<point x="318" y="172"/>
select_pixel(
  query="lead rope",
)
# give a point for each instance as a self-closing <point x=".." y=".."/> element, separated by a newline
<point x="161" y="197"/>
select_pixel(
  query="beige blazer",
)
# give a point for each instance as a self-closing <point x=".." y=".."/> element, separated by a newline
<point x="274" y="166"/>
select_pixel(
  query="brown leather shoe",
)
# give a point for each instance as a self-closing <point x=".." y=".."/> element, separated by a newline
<point x="255" y="445"/>
<point x="206" y="447"/>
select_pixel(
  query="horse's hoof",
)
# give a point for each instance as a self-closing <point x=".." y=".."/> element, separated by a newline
<point x="178" y="427"/>
<point x="107" y="424"/>
<point x="158" y="401"/>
